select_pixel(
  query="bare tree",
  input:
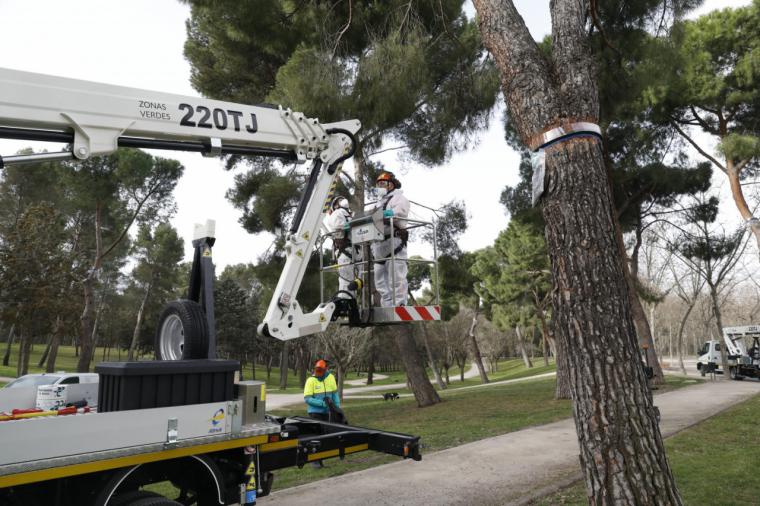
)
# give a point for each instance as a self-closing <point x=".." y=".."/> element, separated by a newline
<point x="712" y="253"/>
<point x="344" y="346"/>
<point x="688" y="286"/>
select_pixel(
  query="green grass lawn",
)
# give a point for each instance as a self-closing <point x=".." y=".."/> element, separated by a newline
<point x="66" y="360"/>
<point x="714" y="462"/>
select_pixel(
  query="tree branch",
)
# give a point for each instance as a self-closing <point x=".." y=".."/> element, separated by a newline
<point x="698" y="148"/>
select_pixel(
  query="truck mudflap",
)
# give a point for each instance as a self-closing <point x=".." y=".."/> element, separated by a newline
<point x="303" y="440"/>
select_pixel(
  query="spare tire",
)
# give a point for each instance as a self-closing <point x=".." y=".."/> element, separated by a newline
<point x="182" y="332"/>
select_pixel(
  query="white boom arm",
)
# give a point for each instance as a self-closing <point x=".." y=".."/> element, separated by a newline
<point x="96" y="119"/>
<point x="734" y="338"/>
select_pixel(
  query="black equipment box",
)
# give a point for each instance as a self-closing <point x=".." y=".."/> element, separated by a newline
<point x="157" y="384"/>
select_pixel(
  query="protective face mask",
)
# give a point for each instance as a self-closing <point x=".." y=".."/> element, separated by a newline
<point x="381" y="192"/>
<point x="343" y="203"/>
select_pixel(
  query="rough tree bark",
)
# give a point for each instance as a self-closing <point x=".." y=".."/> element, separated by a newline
<point x="621" y="449"/>
<point x="417" y="378"/>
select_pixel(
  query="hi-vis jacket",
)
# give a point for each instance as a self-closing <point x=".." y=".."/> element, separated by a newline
<point x="315" y="391"/>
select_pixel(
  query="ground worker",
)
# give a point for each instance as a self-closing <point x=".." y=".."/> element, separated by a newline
<point x="321" y="390"/>
<point x="390" y="277"/>
<point x="335" y="223"/>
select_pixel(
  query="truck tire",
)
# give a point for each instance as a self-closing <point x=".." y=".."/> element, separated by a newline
<point x="734" y="373"/>
<point x="131" y="497"/>
<point x="182" y="332"/>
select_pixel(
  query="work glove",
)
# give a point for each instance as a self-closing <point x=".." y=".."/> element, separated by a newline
<point x="387" y="213"/>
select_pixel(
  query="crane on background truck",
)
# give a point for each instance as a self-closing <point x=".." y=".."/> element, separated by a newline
<point x="196" y="428"/>
<point x="743" y="361"/>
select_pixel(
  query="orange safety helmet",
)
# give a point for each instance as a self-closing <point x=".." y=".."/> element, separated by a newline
<point x="389" y="177"/>
<point x="321" y="365"/>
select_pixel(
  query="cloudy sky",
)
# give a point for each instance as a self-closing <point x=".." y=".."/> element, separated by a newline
<point x="139" y="44"/>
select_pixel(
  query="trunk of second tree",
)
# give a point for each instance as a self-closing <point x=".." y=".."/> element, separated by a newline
<point x="477" y="358"/>
<point x="284" y="365"/>
<point x="418" y="381"/>
<point x="138" y="324"/>
<point x="719" y="323"/>
<point x="521" y="347"/>
<point x="341" y="373"/>
<point x="622" y="452"/>
<point x="645" y="336"/>
<point x="643" y="329"/>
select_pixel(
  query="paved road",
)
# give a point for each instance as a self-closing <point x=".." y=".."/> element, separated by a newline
<point x="508" y="469"/>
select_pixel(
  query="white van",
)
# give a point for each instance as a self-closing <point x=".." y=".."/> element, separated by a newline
<point x="709" y="353"/>
<point x="24" y="392"/>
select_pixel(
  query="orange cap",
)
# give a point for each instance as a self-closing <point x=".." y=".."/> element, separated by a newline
<point x="320" y="365"/>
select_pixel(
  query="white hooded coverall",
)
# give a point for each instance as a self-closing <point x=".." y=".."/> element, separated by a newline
<point x="396" y="201"/>
<point x="334" y="223"/>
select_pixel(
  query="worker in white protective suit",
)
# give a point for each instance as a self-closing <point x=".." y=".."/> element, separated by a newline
<point x="390" y="276"/>
<point x="343" y="253"/>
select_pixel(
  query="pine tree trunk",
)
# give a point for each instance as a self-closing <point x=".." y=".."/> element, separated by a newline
<point x="621" y="449"/>
<point x="87" y="325"/>
<point x="284" y="365"/>
<point x="25" y="352"/>
<point x="622" y="453"/>
<point x="477" y="357"/>
<point x="417" y="378"/>
<point x="371" y="367"/>
<point x="8" y="347"/>
<point x="57" y="335"/>
<point x="46" y="352"/>
<point x="545" y="349"/>
<point x="521" y="347"/>
<point x="562" y="390"/>
<point x="645" y="335"/>
<point x="341" y="378"/>
<point x="138" y="324"/>
<point x="643" y="329"/>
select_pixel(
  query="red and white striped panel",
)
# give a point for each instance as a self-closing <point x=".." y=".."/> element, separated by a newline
<point x="417" y="313"/>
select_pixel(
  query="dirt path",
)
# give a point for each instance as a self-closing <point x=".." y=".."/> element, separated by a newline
<point x="509" y="469"/>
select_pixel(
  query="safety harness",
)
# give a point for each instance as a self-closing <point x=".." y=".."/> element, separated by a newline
<point x="401" y="233"/>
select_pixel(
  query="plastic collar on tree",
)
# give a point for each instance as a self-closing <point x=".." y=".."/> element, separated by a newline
<point x="555" y="136"/>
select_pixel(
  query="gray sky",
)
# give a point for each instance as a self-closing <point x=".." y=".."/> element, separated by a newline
<point x="139" y="44"/>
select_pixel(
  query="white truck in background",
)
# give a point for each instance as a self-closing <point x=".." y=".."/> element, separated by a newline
<point x="743" y="359"/>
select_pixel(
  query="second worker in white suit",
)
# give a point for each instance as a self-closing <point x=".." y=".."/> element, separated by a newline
<point x="343" y="252"/>
<point x="390" y="277"/>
